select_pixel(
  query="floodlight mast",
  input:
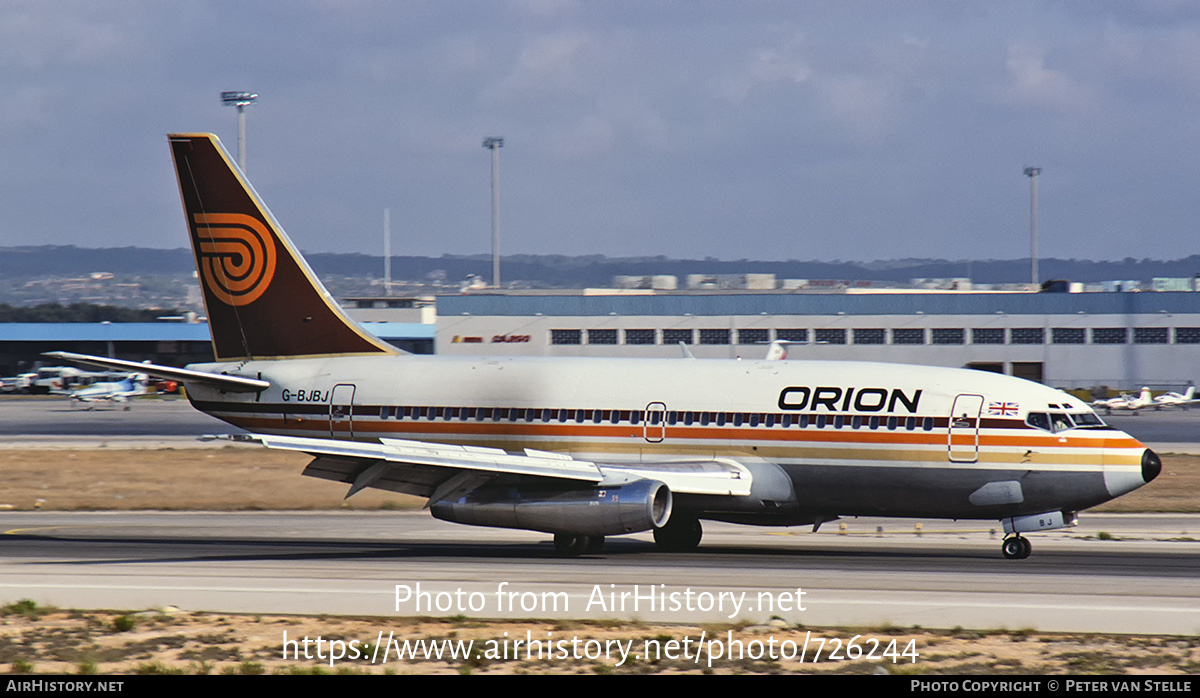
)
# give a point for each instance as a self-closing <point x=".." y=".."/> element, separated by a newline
<point x="494" y="144"/>
<point x="1032" y="173"/>
<point x="241" y="100"/>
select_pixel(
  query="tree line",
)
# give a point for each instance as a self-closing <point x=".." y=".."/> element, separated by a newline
<point x="79" y="312"/>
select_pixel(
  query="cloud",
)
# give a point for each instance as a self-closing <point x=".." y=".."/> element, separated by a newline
<point x="1031" y="83"/>
<point x="550" y="62"/>
<point x="782" y="64"/>
<point x="44" y="37"/>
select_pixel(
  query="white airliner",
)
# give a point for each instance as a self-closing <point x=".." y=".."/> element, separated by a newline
<point x="113" y="391"/>
<point x="585" y="448"/>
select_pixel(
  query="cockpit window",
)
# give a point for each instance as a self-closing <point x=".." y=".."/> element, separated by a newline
<point x="1087" y="419"/>
<point x="1060" y="421"/>
<point x="1041" y="420"/>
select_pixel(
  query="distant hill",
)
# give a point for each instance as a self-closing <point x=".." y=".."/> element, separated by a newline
<point x="590" y="270"/>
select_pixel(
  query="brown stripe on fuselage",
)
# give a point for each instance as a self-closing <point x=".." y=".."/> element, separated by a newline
<point x="268" y="420"/>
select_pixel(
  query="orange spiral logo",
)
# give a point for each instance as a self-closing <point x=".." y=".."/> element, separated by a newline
<point x="236" y="256"/>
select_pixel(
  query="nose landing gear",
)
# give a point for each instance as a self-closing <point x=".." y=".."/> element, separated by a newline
<point x="1016" y="548"/>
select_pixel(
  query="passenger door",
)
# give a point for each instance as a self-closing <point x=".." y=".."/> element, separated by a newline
<point x="654" y="426"/>
<point x="341" y="411"/>
<point x="963" y="434"/>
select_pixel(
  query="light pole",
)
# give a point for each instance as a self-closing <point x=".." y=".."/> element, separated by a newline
<point x="241" y="100"/>
<point x="1032" y="173"/>
<point x="495" y="144"/>
<point x="387" y="251"/>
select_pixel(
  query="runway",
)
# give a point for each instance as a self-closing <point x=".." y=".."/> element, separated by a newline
<point x="389" y="564"/>
<point x="352" y="562"/>
<point x="31" y="418"/>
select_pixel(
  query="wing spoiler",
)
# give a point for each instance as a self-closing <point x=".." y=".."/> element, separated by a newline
<point x="221" y="381"/>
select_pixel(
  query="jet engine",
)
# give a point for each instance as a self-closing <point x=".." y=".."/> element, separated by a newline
<point x="631" y="507"/>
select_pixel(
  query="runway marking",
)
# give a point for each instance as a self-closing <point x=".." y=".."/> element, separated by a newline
<point x="18" y="531"/>
<point x="136" y="587"/>
<point x="812" y="591"/>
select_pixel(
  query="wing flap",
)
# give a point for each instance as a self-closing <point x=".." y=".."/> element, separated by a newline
<point x="401" y="452"/>
<point x="418" y="467"/>
<point x="720" y="476"/>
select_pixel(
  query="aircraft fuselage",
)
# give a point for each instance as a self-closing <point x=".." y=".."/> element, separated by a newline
<point x="822" y="439"/>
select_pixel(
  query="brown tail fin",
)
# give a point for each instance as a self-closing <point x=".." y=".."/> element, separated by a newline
<point x="262" y="299"/>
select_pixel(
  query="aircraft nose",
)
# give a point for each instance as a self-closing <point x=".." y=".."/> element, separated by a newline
<point x="1151" y="465"/>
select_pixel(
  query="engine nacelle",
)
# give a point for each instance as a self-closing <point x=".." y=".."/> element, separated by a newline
<point x="632" y="507"/>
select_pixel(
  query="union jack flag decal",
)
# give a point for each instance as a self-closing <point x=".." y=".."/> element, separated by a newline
<point x="1004" y="409"/>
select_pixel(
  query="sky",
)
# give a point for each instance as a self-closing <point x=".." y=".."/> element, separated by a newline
<point x="688" y="128"/>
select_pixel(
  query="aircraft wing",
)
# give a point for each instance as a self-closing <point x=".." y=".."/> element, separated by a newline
<point x="234" y="384"/>
<point x="434" y="470"/>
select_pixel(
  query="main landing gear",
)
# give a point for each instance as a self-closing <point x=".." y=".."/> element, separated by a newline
<point x="1016" y="548"/>
<point x="569" y="545"/>
<point x="681" y="534"/>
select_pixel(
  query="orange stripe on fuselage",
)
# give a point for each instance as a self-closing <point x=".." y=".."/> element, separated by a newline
<point x="677" y="432"/>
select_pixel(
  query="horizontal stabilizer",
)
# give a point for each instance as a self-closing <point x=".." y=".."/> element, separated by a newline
<point x="221" y="381"/>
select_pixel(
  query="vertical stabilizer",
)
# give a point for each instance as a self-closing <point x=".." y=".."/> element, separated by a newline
<point x="262" y="299"/>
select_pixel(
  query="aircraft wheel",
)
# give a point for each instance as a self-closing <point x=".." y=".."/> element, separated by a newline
<point x="1016" y="548"/>
<point x="570" y="545"/>
<point x="595" y="544"/>
<point x="681" y="534"/>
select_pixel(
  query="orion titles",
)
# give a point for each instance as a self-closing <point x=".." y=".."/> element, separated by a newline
<point x="835" y="399"/>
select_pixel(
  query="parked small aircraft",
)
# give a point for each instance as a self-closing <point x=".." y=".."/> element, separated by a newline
<point x="1126" y="402"/>
<point x="113" y="391"/>
<point x="1173" y="399"/>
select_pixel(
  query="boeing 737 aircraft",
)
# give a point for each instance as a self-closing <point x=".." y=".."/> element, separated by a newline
<point x="584" y="448"/>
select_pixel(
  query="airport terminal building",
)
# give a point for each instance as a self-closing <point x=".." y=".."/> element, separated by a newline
<point x="1067" y="340"/>
<point x="1119" y="340"/>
